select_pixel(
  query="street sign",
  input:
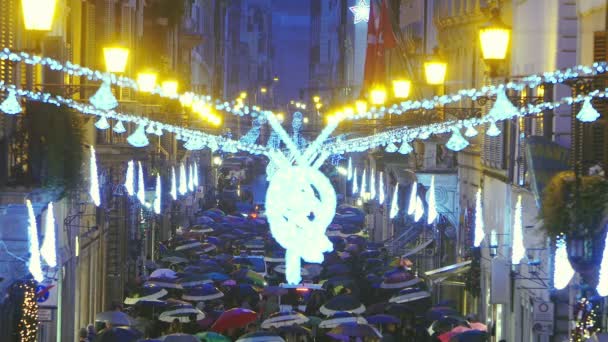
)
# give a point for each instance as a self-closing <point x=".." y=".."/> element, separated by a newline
<point x="46" y="295"/>
<point x="45" y="315"/>
<point x="543" y="311"/>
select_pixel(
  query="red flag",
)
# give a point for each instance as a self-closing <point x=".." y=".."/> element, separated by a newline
<point x="371" y="50"/>
<point x="380" y="36"/>
<point x="386" y="27"/>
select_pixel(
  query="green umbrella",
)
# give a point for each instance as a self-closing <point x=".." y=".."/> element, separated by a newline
<point x="210" y="336"/>
<point x="313" y="321"/>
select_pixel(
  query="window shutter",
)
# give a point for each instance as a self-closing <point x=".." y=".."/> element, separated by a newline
<point x="493" y="147"/>
<point x="595" y="149"/>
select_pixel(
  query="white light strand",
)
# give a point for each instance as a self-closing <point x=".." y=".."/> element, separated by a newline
<point x="11" y="105"/>
<point x="94" y="179"/>
<point x="411" y="209"/>
<point x="157" y="195"/>
<point x="562" y="270"/>
<point x="48" y="250"/>
<point x="196" y="174"/>
<point x="183" y="181"/>
<point x="173" y="184"/>
<point x="363" y="189"/>
<point x="395" y="203"/>
<point x="372" y="184"/>
<point x="602" y="286"/>
<point x="432" y="214"/>
<point x="34" y="264"/>
<point x="381" y="195"/>
<point x="479" y="232"/>
<point x="355" y="186"/>
<point x="349" y="170"/>
<point x="130" y="179"/>
<point x="141" y="188"/>
<point x="419" y="210"/>
<point x="519" y="250"/>
<point x="190" y="178"/>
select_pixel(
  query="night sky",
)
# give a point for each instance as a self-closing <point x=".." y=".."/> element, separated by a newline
<point x="291" y="35"/>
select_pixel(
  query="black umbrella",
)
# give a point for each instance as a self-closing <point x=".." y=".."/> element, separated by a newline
<point x="345" y="303"/>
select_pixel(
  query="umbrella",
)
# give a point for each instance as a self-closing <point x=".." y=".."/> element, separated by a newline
<point x="179" y="338"/>
<point x="150" y="292"/>
<point x="294" y="329"/>
<point x="163" y="273"/>
<point x="438" y="312"/>
<point x="409" y="295"/>
<point x="245" y="290"/>
<point x="229" y="282"/>
<point x="313" y="269"/>
<point x="445" y="337"/>
<point x="446" y="323"/>
<point x="382" y="319"/>
<point x="210" y="336"/>
<point x="182" y="312"/>
<point x="275" y="256"/>
<point x="478" y="326"/>
<point x="274" y="291"/>
<point x="174" y="260"/>
<point x="346" y="303"/>
<point x="399" y="281"/>
<point x="168" y="283"/>
<point x="471" y="336"/>
<point x="354" y="330"/>
<point x="254" y="244"/>
<point x="125" y="334"/>
<point x="188" y="244"/>
<point x="261" y="336"/>
<point x="284" y="319"/>
<point x="338" y="269"/>
<point x="116" y="318"/>
<point x="208" y="247"/>
<point x="234" y="318"/>
<point x="204" y="293"/>
<point x="216" y="276"/>
<point x="281" y="269"/>
<point x="201" y="229"/>
<point x="249" y="276"/>
<point x="194" y="280"/>
<point x="357" y="240"/>
<point x="340" y="318"/>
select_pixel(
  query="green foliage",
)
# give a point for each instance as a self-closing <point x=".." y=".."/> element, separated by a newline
<point x="55" y="146"/>
<point x="562" y="213"/>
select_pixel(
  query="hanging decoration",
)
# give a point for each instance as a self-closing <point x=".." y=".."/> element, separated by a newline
<point x="173" y="184"/>
<point x="457" y="142"/>
<point x="355" y="186"/>
<point x="562" y="270"/>
<point x="419" y="210"/>
<point x="34" y="265"/>
<point x="502" y="108"/>
<point x="141" y="188"/>
<point x="519" y="250"/>
<point x="102" y="123"/>
<point x="27" y="326"/>
<point x="432" y="214"/>
<point x="190" y="178"/>
<point x="183" y="182"/>
<point x="405" y="148"/>
<point x="372" y="184"/>
<point x="119" y="128"/>
<point x="395" y="203"/>
<point x="391" y="148"/>
<point x="94" y="179"/>
<point x="104" y="99"/>
<point x="411" y="209"/>
<point x="363" y="190"/>
<point x="196" y="174"/>
<point x="349" y="170"/>
<point x="48" y="249"/>
<point x="360" y="12"/>
<point x="587" y="112"/>
<point x="471" y="132"/>
<point x="381" y="195"/>
<point x="130" y="179"/>
<point x="157" y="195"/>
<point x="150" y="129"/>
<point x="11" y="105"/>
<point x="479" y="232"/>
<point x="493" y="131"/>
<point x="587" y="324"/>
<point x="139" y="138"/>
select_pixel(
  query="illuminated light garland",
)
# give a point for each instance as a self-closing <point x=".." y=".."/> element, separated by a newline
<point x="381" y="195"/>
<point x="119" y="128"/>
<point x="587" y="112"/>
<point x="190" y="178"/>
<point x="493" y="131"/>
<point x="173" y="184"/>
<point x="470" y="132"/>
<point x="141" y="188"/>
<point x="395" y="203"/>
<point x="355" y="186"/>
<point x="48" y="250"/>
<point x="479" y="232"/>
<point x="159" y="131"/>
<point x="94" y="179"/>
<point x="502" y="108"/>
<point x="363" y="190"/>
<point x="602" y="286"/>
<point x="519" y="250"/>
<point x="457" y="142"/>
<point x="150" y="129"/>
<point x="405" y="148"/>
<point x="34" y="265"/>
<point x="562" y="270"/>
<point x="129" y="179"/>
<point x="372" y="184"/>
<point x="183" y="181"/>
<point x="28" y="323"/>
<point x="419" y="210"/>
<point x="195" y="174"/>
<point x="432" y="214"/>
<point x="411" y="209"/>
<point x="139" y="138"/>
<point x="391" y="148"/>
<point x="349" y="170"/>
<point x="157" y="195"/>
<point x="104" y="99"/>
<point x="11" y="105"/>
<point x="102" y="123"/>
<point x="493" y="239"/>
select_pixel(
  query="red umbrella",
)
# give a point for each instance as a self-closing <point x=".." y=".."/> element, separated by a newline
<point x="234" y="318"/>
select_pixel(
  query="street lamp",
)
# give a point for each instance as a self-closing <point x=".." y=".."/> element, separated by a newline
<point x="169" y="88"/>
<point x="494" y="37"/>
<point x="146" y="81"/>
<point x="263" y="90"/>
<point x="116" y="58"/>
<point x="401" y="88"/>
<point x="38" y="14"/>
<point x="377" y="96"/>
<point x="316" y="99"/>
<point x="243" y="95"/>
<point x="434" y="70"/>
<point x="361" y="106"/>
<point x="217" y="160"/>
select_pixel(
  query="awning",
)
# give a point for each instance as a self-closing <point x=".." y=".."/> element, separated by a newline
<point x="441" y="274"/>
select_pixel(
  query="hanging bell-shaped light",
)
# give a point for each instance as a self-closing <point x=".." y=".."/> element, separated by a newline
<point x="587" y="112"/>
<point x="457" y="142"/>
<point x="102" y="123"/>
<point x="139" y="138"/>
<point x="493" y="130"/>
<point x="104" y="99"/>
<point x="470" y="132"/>
<point x="405" y="148"/>
<point x="503" y="108"/>
<point x="11" y="105"/>
<point x="391" y="148"/>
<point x="119" y="128"/>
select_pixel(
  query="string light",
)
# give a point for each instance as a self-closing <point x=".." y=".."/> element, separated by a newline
<point x="28" y="323"/>
<point x="479" y="233"/>
<point x="519" y="250"/>
<point x="395" y="203"/>
<point x="381" y="195"/>
<point x="129" y="179"/>
<point x="141" y="188"/>
<point x="372" y="184"/>
<point x="94" y="179"/>
<point x="48" y="249"/>
<point x="157" y="197"/>
<point x="173" y="184"/>
<point x="432" y="214"/>
<point x="183" y="182"/>
<point x="602" y="286"/>
<point x="34" y="265"/>
<point x="355" y="186"/>
<point x="349" y="171"/>
<point x="562" y="270"/>
<point x="11" y="105"/>
<point x="363" y="190"/>
<point x="411" y="209"/>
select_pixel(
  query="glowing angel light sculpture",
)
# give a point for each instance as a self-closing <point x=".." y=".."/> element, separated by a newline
<point x="300" y="201"/>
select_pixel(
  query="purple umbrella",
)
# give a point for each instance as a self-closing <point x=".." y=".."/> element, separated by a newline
<point x="410" y="294"/>
<point x="261" y="336"/>
<point x="168" y="283"/>
<point x="188" y="244"/>
<point x="357" y="240"/>
<point x="204" y="293"/>
<point x="338" y="269"/>
<point x="341" y="318"/>
<point x="182" y="312"/>
<point x="382" y="319"/>
<point x="354" y="330"/>
<point x="399" y="280"/>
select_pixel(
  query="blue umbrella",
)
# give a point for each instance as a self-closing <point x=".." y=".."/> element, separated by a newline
<point x="347" y="330"/>
<point x="204" y="293"/>
<point x="261" y="336"/>
<point x="168" y="283"/>
<point x="214" y="240"/>
<point x="340" y="318"/>
<point x="204" y="220"/>
<point x="382" y="319"/>
<point x="216" y="276"/>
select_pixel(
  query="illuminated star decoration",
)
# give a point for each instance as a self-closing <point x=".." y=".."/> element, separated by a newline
<point x="360" y="11"/>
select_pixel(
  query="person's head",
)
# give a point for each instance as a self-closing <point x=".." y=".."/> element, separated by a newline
<point x="91" y="329"/>
<point x="83" y="333"/>
<point x="108" y="325"/>
<point x="391" y="328"/>
<point x="175" y="322"/>
<point x="472" y="318"/>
